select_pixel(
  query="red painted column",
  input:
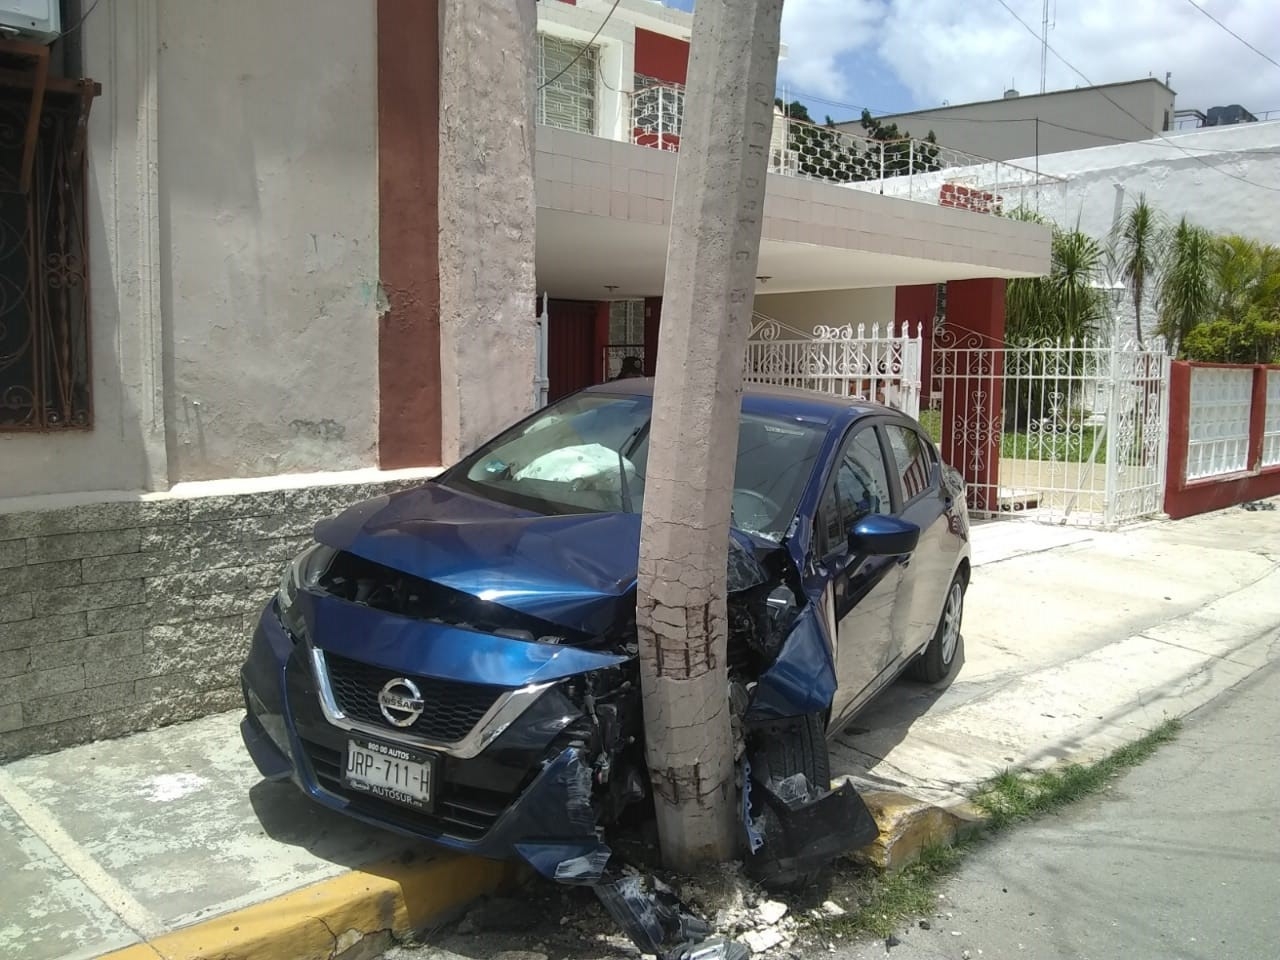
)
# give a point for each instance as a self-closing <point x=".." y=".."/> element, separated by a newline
<point x="1257" y="416"/>
<point x="973" y="393"/>
<point x="601" y="340"/>
<point x="1175" y="475"/>
<point x="408" y="219"/>
<point x="652" y="320"/>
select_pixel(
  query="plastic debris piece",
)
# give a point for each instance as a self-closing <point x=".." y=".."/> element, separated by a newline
<point x="804" y="836"/>
<point x="755" y="839"/>
<point x="651" y="914"/>
<point x="585" y="869"/>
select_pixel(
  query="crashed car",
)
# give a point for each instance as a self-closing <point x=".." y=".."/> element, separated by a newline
<point x="458" y="662"/>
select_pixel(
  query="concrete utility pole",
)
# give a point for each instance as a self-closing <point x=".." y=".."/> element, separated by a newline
<point x="488" y="73"/>
<point x="712" y="253"/>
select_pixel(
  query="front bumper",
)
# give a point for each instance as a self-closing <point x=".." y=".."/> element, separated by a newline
<point x="527" y="794"/>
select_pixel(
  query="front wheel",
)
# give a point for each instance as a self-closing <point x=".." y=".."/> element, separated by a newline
<point x="935" y="663"/>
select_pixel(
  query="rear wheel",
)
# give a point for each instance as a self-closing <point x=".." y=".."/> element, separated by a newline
<point x="935" y="663"/>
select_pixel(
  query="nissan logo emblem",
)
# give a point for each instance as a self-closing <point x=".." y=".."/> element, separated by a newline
<point x="400" y="701"/>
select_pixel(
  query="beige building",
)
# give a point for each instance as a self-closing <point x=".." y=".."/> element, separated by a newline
<point x="1033" y="125"/>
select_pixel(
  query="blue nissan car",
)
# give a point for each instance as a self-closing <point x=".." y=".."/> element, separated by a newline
<point x="457" y="662"/>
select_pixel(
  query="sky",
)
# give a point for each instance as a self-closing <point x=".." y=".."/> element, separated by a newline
<point x="898" y="55"/>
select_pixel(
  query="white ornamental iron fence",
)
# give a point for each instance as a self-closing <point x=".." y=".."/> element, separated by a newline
<point x="906" y="167"/>
<point x="862" y="362"/>
<point x="1060" y="431"/>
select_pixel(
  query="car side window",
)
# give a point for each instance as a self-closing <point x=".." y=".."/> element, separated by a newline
<point x="911" y="460"/>
<point x="860" y="488"/>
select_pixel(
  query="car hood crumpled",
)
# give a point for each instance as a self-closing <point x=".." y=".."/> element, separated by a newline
<point x="569" y="570"/>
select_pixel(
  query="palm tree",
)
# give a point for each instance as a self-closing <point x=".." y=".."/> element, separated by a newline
<point x="1137" y="242"/>
<point x="1187" y="294"/>
<point x="1068" y="304"/>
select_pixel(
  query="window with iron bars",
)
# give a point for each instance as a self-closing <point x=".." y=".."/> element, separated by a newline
<point x="45" y="370"/>
<point x="567" y="87"/>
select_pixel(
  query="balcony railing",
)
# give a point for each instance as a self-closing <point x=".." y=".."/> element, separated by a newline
<point x="908" y="167"/>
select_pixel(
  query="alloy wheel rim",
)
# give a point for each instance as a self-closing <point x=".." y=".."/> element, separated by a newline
<point x="951" y="622"/>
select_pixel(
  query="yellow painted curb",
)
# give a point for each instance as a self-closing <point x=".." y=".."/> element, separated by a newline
<point x="908" y="825"/>
<point x="321" y="921"/>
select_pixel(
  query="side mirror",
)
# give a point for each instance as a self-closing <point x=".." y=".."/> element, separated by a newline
<point x="882" y="536"/>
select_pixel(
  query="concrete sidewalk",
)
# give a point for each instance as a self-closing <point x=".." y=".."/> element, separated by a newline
<point x="1075" y="641"/>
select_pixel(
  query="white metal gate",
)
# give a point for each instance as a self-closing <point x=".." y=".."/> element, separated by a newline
<point x="1061" y="432"/>
<point x="858" y="362"/>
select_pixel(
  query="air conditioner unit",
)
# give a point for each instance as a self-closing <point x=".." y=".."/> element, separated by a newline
<point x="39" y="20"/>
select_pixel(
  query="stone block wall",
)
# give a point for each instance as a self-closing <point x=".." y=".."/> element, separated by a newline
<point x="123" y="616"/>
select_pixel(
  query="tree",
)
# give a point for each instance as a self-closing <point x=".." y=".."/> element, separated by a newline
<point x="1066" y="305"/>
<point x="712" y="254"/>
<point x="1064" y="308"/>
<point x="1186" y="294"/>
<point x="1137" y="241"/>
<point x="901" y="156"/>
<point x="1243" y="323"/>
<point x="827" y="153"/>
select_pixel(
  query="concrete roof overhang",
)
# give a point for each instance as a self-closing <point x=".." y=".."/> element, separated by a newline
<point x="604" y="215"/>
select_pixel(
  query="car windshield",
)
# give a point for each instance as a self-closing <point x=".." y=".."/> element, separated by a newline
<point x="588" y="454"/>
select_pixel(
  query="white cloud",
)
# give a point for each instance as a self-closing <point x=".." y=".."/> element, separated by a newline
<point x="944" y="50"/>
<point x="821" y="37"/>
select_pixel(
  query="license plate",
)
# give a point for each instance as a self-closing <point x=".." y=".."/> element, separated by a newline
<point x="390" y="772"/>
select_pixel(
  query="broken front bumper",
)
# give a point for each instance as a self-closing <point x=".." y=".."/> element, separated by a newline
<point x="527" y="795"/>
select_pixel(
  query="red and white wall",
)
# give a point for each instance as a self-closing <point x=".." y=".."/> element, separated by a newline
<point x="1224" y="436"/>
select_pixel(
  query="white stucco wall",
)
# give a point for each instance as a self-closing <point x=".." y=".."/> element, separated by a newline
<point x="232" y="215"/>
<point x="269" y="203"/>
<point x="834" y="308"/>
<point x="1204" y="186"/>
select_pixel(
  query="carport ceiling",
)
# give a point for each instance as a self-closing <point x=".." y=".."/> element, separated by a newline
<point x="581" y="257"/>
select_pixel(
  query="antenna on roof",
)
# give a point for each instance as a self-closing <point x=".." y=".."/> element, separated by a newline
<point x="1044" y="46"/>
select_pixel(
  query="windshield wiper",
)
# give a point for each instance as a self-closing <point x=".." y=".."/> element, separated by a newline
<point x="625" y="488"/>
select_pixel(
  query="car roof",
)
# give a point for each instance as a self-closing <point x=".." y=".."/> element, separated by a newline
<point x="767" y="399"/>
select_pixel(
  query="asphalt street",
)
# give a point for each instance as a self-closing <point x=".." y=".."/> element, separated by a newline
<point x="1180" y="858"/>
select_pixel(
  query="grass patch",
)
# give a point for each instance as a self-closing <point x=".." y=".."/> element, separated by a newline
<point x="1076" y="445"/>
<point x="931" y="420"/>
<point x="886" y="900"/>
<point x="1013" y="797"/>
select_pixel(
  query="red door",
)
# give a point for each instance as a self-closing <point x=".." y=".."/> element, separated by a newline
<point x="571" y="346"/>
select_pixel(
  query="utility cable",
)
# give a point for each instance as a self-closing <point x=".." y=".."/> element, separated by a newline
<point x="1233" y="33"/>
<point x="1079" y="73"/>
<point x="583" y="49"/>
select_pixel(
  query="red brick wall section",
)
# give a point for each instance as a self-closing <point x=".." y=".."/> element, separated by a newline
<point x="1183" y="499"/>
<point x="661" y="57"/>
<point x="408" y="221"/>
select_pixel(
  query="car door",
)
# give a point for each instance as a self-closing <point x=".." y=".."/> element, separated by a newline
<point x="861" y="590"/>
<point x="917" y="477"/>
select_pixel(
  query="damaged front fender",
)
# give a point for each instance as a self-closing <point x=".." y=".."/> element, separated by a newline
<point x="802" y="678"/>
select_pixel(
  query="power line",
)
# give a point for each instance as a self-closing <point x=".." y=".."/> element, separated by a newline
<point x="581" y="50"/>
<point x="1013" y="13"/>
<point x="1233" y="33"/>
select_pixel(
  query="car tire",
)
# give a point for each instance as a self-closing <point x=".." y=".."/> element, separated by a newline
<point x="801" y="747"/>
<point x="934" y="665"/>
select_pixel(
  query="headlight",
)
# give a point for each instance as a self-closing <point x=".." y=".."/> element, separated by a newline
<point x="302" y="572"/>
